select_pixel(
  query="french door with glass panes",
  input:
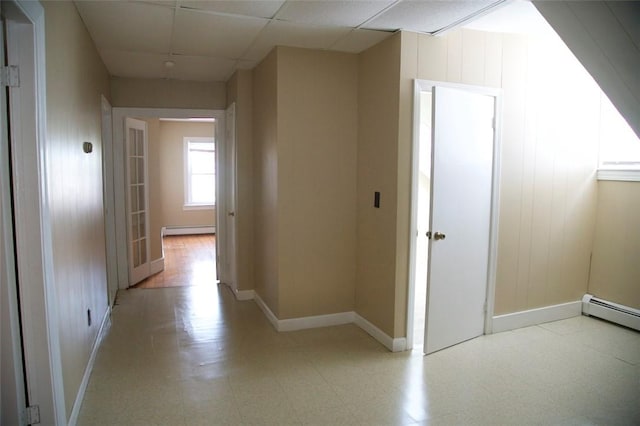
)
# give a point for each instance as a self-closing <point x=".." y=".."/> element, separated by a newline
<point x="137" y="200"/>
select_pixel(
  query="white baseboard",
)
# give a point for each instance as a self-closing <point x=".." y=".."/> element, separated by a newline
<point x="188" y="230"/>
<point x="610" y="311"/>
<point x="303" y="323"/>
<point x="156" y="266"/>
<point x="315" y="321"/>
<point x="398" y="344"/>
<point x="267" y="312"/>
<point x="293" y="324"/>
<point x="536" y="316"/>
<point x="245" y="294"/>
<point x="77" y="404"/>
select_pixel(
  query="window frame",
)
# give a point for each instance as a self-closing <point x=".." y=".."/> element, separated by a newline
<point x="615" y="168"/>
<point x="188" y="204"/>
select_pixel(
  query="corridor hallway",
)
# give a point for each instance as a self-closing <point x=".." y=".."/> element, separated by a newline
<point x="196" y="356"/>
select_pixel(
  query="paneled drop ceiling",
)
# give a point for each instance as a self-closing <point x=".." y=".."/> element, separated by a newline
<point x="208" y="40"/>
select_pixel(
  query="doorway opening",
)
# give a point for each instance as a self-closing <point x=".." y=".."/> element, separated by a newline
<point x="206" y="218"/>
<point x="454" y="212"/>
<point x="422" y="218"/>
<point x="171" y="192"/>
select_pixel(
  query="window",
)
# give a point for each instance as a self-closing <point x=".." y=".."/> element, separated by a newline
<point x="619" y="146"/>
<point x="200" y="172"/>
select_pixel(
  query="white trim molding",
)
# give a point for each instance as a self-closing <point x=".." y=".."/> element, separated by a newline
<point x="188" y="230"/>
<point x="156" y="266"/>
<point x="619" y="175"/>
<point x="244" y="294"/>
<point x="25" y="48"/>
<point x="302" y="323"/>
<point x="316" y="321"/>
<point x="292" y="324"/>
<point x="536" y="316"/>
<point x="104" y="326"/>
<point x="397" y="344"/>
<point x="267" y="312"/>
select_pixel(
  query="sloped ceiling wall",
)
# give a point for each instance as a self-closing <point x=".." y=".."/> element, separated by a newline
<point x="605" y="37"/>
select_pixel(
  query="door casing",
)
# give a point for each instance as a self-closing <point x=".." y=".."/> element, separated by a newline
<point x="33" y="243"/>
<point x="118" y="167"/>
<point x="427" y="86"/>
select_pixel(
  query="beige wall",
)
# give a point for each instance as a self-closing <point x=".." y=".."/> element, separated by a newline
<point x="76" y="78"/>
<point x="240" y="92"/>
<point x="549" y="155"/>
<point x="265" y="178"/>
<point x="305" y="181"/>
<point x="316" y="181"/>
<point x="547" y="185"/>
<point x="171" y="164"/>
<point x="615" y="269"/>
<point x="158" y="93"/>
<point x="377" y="170"/>
<point x="166" y="178"/>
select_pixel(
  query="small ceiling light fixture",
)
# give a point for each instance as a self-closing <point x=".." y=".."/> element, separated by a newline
<point x="169" y="64"/>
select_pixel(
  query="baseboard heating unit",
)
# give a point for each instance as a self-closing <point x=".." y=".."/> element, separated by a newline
<point x="619" y="314"/>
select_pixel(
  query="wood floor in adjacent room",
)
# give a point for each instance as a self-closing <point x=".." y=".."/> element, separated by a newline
<point x="188" y="260"/>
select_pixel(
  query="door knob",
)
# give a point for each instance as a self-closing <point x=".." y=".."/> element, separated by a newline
<point x="231" y="213"/>
<point x="439" y="236"/>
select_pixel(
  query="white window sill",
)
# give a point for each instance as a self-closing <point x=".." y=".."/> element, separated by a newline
<point x="619" y="175"/>
<point x="198" y="207"/>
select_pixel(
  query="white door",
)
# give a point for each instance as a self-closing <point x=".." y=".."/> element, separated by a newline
<point x="137" y="200"/>
<point x="230" y="195"/>
<point x="461" y="199"/>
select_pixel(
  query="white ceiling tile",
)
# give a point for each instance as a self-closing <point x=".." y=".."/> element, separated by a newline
<point x="136" y="65"/>
<point x="514" y="17"/>
<point x="359" y="40"/>
<point x="426" y="16"/>
<point x="199" y="68"/>
<point x="142" y="65"/>
<point x="332" y="13"/>
<point x="204" y="34"/>
<point x="257" y="8"/>
<point x="128" y="26"/>
<point x="281" y="33"/>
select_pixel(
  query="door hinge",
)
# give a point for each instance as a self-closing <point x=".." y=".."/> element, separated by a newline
<point x="10" y="76"/>
<point x="485" y="307"/>
<point x="33" y="415"/>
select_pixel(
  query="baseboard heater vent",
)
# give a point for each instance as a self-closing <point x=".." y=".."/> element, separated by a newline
<point x="614" y="312"/>
<point x="187" y="230"/>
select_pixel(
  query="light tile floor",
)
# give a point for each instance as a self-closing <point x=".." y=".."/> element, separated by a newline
<point x="195" y="356"/>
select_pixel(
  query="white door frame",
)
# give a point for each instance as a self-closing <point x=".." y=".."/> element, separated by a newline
<point x="38" y="299"/>
<point x="12" y="386"/>
<point x="227" y="211"/>
<point x="427" y="86"/>
<point x="109" y="217"/>
<point x="118" y="167"/>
